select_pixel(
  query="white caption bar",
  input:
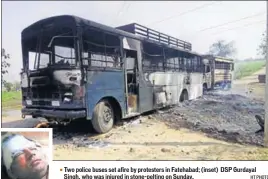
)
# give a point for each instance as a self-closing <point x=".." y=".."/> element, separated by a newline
<point x="158" y="169"/>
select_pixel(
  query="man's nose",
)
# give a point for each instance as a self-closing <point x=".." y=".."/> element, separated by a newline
<point x="28" y="152"/>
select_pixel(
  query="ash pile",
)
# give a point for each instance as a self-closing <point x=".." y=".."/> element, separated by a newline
<point x="225" y="116"/>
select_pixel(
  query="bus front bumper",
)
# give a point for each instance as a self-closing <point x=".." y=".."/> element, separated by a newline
<point x="54" y="113"/>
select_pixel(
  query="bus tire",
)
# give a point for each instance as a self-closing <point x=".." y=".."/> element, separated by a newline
<point x="103" y="117"/>
<point x="184" y="96"/>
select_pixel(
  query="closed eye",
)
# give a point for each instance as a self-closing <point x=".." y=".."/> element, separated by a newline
<point x="14" y="155"/>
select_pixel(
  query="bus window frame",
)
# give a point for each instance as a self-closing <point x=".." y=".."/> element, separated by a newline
<point x="89" y="60"/>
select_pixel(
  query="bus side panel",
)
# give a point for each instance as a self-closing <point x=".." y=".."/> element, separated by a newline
<point x="171" y="84"/>
<point x="102" y="84"/>
<point x="157" y="79"/>
<point x="196" y="86"/>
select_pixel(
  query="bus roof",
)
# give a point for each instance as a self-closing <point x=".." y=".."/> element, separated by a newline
<point x="148" y="33"/>
<point x="224" y="59"/>
<point x="74" y="22"/>
<point x="219" y="58"/>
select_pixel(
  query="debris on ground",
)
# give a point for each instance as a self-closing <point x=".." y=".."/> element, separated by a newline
<point x="230" y="117"/>
<point x="221" y="115"/>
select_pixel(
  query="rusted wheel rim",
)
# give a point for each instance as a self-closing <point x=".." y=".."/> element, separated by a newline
<point x="107" y="114"/>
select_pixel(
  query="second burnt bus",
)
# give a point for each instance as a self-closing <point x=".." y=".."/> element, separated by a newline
<point x="81" y="69"/>
<point x="218" y="72"/>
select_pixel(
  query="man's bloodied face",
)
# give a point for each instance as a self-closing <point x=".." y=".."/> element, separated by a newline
<point x="29" y="161"/>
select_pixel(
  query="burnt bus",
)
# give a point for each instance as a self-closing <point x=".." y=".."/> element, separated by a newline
<point x="81" y="69"/>
<point x="218" y="72"/>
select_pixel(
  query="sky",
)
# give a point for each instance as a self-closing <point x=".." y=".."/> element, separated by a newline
<point x="192" y="21"/>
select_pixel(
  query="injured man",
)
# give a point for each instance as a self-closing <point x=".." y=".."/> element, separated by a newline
<point x="22" y="158"/>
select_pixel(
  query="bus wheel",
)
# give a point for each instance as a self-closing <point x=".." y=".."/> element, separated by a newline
<point x="103" y="117"/>
<point x="184" y="95"/>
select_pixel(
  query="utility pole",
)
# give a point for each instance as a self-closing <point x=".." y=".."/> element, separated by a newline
<point x="266" y="84"/>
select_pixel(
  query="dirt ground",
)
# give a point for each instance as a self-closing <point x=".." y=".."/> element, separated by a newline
<point x="180" y="133"/>
<point x="150" y="140"/>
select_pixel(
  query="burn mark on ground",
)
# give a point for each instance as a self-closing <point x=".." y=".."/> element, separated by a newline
<point x="226" y="117"/>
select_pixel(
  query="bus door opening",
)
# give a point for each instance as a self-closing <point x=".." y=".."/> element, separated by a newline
<point x="131" y="81"/>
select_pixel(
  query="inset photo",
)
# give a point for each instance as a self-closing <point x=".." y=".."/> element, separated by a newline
<point x="26" y="153"/>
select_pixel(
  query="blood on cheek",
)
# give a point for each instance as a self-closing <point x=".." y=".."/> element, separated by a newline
<point x="21" y="160"/>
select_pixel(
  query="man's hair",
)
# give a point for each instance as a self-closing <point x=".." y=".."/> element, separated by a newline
<point x="4" y="174"/>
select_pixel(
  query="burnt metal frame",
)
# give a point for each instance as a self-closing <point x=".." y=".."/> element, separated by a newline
<point x="176" y="66"/>
<point x="76" y="23"/>
<point x="79" y="23"/>
<point x="89" y="59"/>
<point x="223" y="65"/>
<point x="51" y="58"/>
<point x="154" y="35"/>
<point x="77" y="58"/>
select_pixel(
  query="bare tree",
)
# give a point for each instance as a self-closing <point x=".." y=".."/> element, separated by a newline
<point x="5" y="64"/>
<point x="222" y="48"/>
<point x="262" y="48"/>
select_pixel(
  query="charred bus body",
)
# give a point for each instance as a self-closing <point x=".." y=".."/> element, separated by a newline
<point x="52" y="85"/>
<point x="218" y="72"/>
<point x="84" y="69"/>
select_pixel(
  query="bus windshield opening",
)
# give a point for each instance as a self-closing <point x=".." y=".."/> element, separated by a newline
<point x="50" y="49"/>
